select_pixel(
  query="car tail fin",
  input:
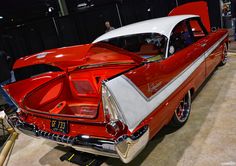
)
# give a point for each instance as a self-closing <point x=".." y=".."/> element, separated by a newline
<point x="197" y="8"/>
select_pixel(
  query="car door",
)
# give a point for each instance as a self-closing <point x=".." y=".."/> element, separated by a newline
<point x="201" y="28"/>
<point x="183" y="53"/>
<point x="189" y="49"/>
<point x="206" y="43"/>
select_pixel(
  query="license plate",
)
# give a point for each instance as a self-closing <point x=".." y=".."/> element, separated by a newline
<point x="59" y="126"/>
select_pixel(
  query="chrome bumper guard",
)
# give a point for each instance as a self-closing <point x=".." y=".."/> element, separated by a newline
<point x="129" y="147"/>
<point x="125" y="147"/>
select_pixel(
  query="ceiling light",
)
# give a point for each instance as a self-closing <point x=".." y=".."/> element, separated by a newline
<point x="50" y="9"/>
<point x="80" y="5"/>
<point x="1" y="17"/>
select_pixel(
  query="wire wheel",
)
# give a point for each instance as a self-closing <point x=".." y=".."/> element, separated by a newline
<point x="182" y="112"/>
<point x="224" y="55"/>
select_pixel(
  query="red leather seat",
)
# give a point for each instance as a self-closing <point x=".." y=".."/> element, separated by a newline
<point x="148" y="49"/>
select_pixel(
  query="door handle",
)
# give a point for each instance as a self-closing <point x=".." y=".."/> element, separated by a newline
<point x="203" y="45"/>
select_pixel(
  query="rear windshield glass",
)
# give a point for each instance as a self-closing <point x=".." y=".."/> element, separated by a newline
<point x="151" y="46"/>
<point x="34" y="70"/>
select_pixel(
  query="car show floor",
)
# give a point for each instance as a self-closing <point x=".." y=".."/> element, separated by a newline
<point x="208" y="138"/>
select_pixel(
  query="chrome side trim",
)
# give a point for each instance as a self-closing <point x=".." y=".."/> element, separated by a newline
<point x="104" y="64"/>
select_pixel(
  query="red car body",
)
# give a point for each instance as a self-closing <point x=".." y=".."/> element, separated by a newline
<point x="72" y="104"/>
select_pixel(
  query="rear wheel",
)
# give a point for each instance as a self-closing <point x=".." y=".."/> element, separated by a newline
<point x="182" y="112"/>
<point x="224" y="55"/>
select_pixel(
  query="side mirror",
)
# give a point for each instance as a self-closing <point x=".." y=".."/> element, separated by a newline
<point x="171" y="50"/>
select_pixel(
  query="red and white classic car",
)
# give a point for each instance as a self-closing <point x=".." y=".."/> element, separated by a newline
<point x="112" y="96"/>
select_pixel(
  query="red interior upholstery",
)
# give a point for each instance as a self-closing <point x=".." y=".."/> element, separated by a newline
<point x="148" y="49"/>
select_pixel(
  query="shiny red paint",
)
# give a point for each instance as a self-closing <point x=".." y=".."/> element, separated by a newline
<point x="57" y="95"/>
<point x="35" y="98"/>
<point x="143" y="77"/>
<point x="198" y="8"/>
<point x="163" y="114"/>
<point x="69" y="58"/>
<point x="61" y="57"/>
<point x="18" y="90"/>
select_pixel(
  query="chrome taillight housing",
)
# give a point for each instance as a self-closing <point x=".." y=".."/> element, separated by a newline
<point x="116" y="122"/>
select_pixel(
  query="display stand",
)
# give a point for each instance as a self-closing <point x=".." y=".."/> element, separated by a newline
<point x="82" y="158"/>
<point x="7" y="138"/>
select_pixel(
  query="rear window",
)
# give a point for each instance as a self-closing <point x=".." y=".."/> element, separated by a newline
<point x="150" y="46"/>
<point x="34" y="70"/>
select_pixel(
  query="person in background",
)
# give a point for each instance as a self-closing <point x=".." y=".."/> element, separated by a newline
<point x="5" y="78"/>
<point x="108" y="26"/>
<point x="225" y="10"/>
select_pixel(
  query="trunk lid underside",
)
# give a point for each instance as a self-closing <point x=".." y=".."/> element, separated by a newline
<point x="76" y="92"/>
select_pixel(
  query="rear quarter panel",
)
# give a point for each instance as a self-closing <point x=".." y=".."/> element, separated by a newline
<point x="154" y="78"/>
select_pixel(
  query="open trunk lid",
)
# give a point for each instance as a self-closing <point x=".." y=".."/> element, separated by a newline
<point x="69" y="58"/>
<point x="75" y="93"/>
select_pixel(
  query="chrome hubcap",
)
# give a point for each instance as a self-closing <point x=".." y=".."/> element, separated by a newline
<point x="183" y="110"/>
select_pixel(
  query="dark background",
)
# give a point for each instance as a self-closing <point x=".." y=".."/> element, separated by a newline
<point x="233" y="8"/>
<point x="28" y="27"/>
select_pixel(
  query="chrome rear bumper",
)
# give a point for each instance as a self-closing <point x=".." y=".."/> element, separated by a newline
<point x="83" y="143"/>
<point x="125" y="147"/>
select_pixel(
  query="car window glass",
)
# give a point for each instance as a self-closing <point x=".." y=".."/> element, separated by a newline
<point x="180" y="38"/>
<point x="197" y="30"/>
<point x="150" y="46"/>
<point x="34" y="70"/>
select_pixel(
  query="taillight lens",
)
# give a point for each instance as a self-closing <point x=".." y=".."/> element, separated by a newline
<point x="84" y="111"/>
<point x="116" y="128"/>
<point x="84" y="87"/>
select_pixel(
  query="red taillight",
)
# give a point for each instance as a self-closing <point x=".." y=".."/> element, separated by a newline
<point x="116" y="128"/>
<point x="84" y="111"/>
<point x="84" y="87"/>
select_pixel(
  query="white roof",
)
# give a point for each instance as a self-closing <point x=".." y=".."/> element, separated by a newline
<point x="162" y="26"/>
